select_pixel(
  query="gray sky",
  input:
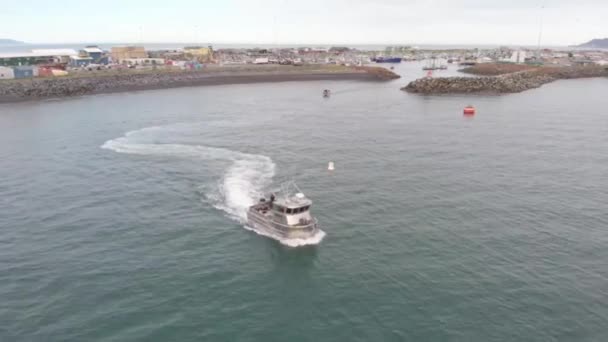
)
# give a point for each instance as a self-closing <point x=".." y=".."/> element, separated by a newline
<point x="307" y="21"/>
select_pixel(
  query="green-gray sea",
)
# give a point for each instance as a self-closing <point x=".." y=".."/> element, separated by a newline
<point x="121" y="215"/>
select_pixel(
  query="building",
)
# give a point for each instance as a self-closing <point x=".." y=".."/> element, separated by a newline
<point x="80" y="61"/>
<point x="6" y="73"/>
<point x="128" y="52"/>
<point x="201" y="54"/>
<point x="97" y="55"/>
<point x="516" y="56"/>
<point x="24" y="58"/>
<point x="94" y="52"/>
<point x="61" y="56"/>
<point x="25" y="71"/>
<point x="36" y="57"/>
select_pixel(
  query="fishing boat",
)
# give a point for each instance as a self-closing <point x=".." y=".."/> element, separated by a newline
<point x="387" y="59"/>
<point x="285" y="215"/>
<point x="326" y="93"/>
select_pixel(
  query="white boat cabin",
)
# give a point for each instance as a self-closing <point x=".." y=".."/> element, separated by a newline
<point x="292" y="211"/>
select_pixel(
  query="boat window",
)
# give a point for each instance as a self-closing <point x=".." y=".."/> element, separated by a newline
<point x="289" y="211"/>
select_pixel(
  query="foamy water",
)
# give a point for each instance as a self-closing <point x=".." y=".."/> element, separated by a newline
<point x="242" y="183"/>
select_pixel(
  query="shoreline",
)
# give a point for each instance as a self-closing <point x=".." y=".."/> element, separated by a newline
<point x="23" y="90"/>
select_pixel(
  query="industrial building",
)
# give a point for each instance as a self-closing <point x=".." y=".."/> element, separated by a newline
<point x="199" y="53"/>
<point x="80" y="61"/>
<point x="89" y="55"/>
<point x="121" y="53"/>
<point x="93" y="52"/>
<point x="97" y="55"/>
<point x="36" y="57"/>
<point x="60" y="56"/>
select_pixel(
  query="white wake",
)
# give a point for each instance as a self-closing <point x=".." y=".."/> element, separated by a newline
<point x="242" y="184"/>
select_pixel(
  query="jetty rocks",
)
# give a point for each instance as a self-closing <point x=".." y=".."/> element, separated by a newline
<point x="40" y="88"/>
<point x="509" y="83"/>
<point x="512" y="83"/>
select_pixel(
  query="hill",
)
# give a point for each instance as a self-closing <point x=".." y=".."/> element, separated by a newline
<point x="9" y="42"/>
<point x="596" y="44"/>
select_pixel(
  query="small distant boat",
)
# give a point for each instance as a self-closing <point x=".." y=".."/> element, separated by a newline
<point x="326" y="93"/>
<point x="387" y="59"/>
<point x="331" y="166"/>
<point x="469" y="110"/>
<point x="468" y="63"/>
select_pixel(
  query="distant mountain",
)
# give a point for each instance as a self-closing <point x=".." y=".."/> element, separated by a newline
<point x="596" y="44"/>
<point x="10" y="42"/>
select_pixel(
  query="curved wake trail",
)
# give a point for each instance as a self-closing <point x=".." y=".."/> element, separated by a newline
<point x="241" y="185"/>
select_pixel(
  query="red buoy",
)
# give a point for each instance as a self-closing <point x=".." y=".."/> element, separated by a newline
<point x="469" y="110"/>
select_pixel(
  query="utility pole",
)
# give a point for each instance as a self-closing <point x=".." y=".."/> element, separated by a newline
<point x="540" y="31"/>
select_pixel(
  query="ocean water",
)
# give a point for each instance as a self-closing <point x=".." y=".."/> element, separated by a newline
<point x="122" y="215"/>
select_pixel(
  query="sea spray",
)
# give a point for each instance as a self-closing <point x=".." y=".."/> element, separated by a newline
<point x="242" y="184"/>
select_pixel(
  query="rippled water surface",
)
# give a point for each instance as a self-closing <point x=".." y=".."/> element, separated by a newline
<point x="121" y="215"/>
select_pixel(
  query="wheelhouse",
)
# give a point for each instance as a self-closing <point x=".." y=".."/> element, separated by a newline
<point x="289" y="210"/>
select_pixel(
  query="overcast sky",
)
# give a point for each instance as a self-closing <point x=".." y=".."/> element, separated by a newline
<point x="511" y="22"/>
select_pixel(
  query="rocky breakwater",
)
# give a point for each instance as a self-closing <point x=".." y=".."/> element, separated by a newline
<point x="379" y="72"/>
<point x="508" y="83"/>
<point x="511" y="83"/>
<point x="105" y="82"/>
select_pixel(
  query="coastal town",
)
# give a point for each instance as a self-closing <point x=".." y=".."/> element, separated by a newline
<point x="92" y="69"/>
<point x="64" y="61"/>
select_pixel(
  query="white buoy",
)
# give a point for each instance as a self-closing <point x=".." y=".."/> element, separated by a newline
<point x="330" y="166"/>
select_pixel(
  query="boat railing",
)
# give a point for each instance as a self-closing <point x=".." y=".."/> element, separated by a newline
<point x="312" y="222"/>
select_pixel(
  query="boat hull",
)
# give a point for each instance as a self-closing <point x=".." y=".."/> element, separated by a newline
<point x="265" y="225"/>
<point x="388" y="60"/>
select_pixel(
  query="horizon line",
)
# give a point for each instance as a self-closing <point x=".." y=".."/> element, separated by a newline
<point x="293" y="43"/>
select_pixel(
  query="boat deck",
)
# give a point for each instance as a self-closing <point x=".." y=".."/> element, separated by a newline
<point x="262" y="208"/>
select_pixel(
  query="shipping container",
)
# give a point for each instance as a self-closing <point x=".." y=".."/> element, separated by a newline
<point x="6" y="73"/>
<point x="24" y="71"/>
